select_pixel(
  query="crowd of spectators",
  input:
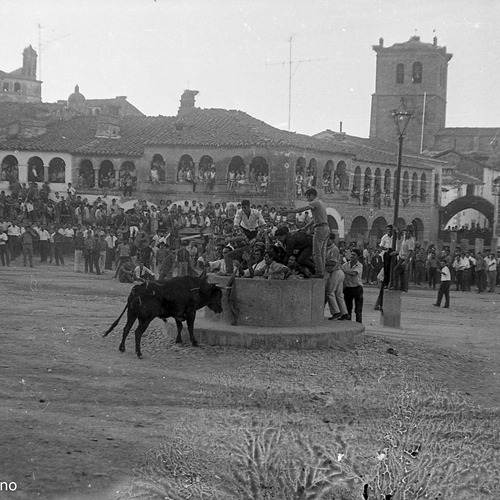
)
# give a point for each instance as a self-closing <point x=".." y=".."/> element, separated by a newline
<point x="100" y="235"/>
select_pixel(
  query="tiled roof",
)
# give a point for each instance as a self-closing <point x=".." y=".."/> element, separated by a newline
<point x="467" y="131"/>
<point x="202" y="128"/>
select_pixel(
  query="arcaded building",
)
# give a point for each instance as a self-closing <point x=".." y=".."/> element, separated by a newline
<point x="224" y="155"/>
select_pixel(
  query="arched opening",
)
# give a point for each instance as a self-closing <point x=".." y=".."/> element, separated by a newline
<point x="341" y="180"/>
<point x="417" y="72"/>
<point x="236" y="171"/>
<point x="379" y="227"/>
<point x="401" y="223"/>
<point x="86" y="174"/>
<point x="328" y="178"/>
<point x="414" y="187"/>
<point x="437" y="189"/>
<point x="258" y="174"/>
<point x="300" y="169"/>
<point x="423" y="188"/>
<point x="311" y="174"/>
<point x="17" y="87"/>
<point x="418" y="228"/>
<point x="157" y="168"/>
<point x="35" y="169"/>
<point x="5" y="87"/>
<point x="400" y="73"/>
<point x="367" y="188"/>
<point x="185" y="169"/>
<point x="106" y="174"/>
<point x="127" y="171"/>
<point x="57" y="170"/>
<point x="359" y="226"/>
<point x="10" y="169"/>
<point x="356" y="184"/>
<point x="377" y="189"/>
<point x="332" y="223"/>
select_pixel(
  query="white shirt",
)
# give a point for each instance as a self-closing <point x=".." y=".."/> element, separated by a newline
<point x="14" y="230"/>
<point x="3" y="239"/>
<point x="44" y="234"/>
<point x="69" y="232"/>
<point x="386" y="242"/>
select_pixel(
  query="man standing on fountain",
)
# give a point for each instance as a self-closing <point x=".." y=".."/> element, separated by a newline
<point x="321" y="230"/>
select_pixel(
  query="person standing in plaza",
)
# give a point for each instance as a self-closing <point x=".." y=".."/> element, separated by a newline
<point x="386" y="253"/>
<point x="432" y="268"/>
<point x="321" y="230"/>
<point x="4" y="253"/>
<point x="491" y="272"/>
<point x="14" y="245"/>
<point x="334" y="281"/>
<point x="480" y="273"/>
<point x="405" y="253"/>
<point x="353" y="285"/>
<point x="444" y="287"/>
<point x="27" y="240"/>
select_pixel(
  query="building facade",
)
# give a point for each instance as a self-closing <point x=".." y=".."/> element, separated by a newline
<point x="21" y="85"/>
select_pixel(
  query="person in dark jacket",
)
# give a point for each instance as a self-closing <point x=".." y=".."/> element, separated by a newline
<point x="299" y="244"/>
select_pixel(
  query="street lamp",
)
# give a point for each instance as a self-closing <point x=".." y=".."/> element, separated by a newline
<point x="401" y="117"/>
<point x="495" y="191"/>
<point x="391" y="311"/>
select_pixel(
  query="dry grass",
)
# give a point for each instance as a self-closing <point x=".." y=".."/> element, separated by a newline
<point x="414" y="442"/>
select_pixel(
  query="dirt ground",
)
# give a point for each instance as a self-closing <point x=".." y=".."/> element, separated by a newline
<point x="77" y="415"/>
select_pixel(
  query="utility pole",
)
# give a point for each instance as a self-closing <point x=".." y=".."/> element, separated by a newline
<point x="290" y="76"/>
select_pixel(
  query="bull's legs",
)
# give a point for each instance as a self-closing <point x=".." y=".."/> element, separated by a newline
<point x="131" y="317"/>
<point x="178" y="339"/>
<point x="190" y="324"/>
<point x="141" y="328"/>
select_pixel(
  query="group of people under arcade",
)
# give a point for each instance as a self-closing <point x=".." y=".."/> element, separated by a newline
<point x="160" y="241"/>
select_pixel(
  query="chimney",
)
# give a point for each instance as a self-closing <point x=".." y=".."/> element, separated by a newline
<point x="381" y="41"/>
<point x="187" y="102"/>
<point x="435" y="41"/>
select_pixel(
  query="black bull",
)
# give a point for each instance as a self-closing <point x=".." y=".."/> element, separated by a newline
<point x="179" y="298"/>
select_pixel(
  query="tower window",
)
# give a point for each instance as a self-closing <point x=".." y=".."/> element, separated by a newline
<point x="400" y="73"/>
<point x="417" y="72"/>
<point x="17" y="87"/>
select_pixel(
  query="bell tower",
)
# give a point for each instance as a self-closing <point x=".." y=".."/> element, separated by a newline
<point x="29" y="63"/>
<point x="416" y="72"/>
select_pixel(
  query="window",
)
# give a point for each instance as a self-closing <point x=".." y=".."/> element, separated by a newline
<point x="400" y="73"/>
<point x="17" y="87"/>
<point x="5" y="86"/>
<point x="417" y="72"/>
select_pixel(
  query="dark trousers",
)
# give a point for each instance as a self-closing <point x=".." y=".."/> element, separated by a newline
<point x="432" y="277"/>
<point x="481" y="280"/>
<point x="58" y="253"/>
<point x="444" y="290"/>
<point x="354" y="294"/>
<point x="4" y="255"/>
<point x="400" y="275"/>
<point x="44" y="250"/>
<point x="389" y="263"/>
<point x="110" y="257"/>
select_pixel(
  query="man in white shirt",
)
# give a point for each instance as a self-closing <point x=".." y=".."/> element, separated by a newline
<point x="4" y="253"/>
<point x="13" y="233"/>
<point x="386" y="250"/>
<point x="44" y="243"/>
<point x="444" y="287"/>
<point x="249" y="220"/>
<point x="491" y="271"/>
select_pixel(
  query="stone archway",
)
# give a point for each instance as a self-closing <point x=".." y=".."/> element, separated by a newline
<point x="478" y="203"/>
<point x="359" y="225"/>
<point x="418" y="228"/>
<point x="335" y="221"/>
<point x="35" y="169"/>
<point x="379" y="227"/>
<point x="9" y="169"/>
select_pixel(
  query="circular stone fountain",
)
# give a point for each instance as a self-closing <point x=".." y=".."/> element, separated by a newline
<point x="278" y="314"/>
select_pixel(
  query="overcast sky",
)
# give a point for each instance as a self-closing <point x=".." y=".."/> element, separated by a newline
<point x="236" y="54"/>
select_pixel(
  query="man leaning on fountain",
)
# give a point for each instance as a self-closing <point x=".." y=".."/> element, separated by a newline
<point x="321" y="230"/>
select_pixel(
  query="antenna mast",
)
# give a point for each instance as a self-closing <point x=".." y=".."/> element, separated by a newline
<point x="290" y="76"/>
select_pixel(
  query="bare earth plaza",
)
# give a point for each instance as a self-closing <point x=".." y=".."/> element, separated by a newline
<point x="208" y="305"/>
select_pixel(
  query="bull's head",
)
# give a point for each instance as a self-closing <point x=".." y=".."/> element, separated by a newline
<point x="215" y="299"/>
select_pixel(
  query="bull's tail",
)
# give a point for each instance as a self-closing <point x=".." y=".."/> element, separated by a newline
<point x="115" y="323"/>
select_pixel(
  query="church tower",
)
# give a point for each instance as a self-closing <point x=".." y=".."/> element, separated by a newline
<point x="416" y="72"/>
<point x="29" y="63"/>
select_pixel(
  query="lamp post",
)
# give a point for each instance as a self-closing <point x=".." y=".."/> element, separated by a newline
<point x="495" y="191"/>
<point x="391" y="312"/>
<point x="401" y="117"/>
